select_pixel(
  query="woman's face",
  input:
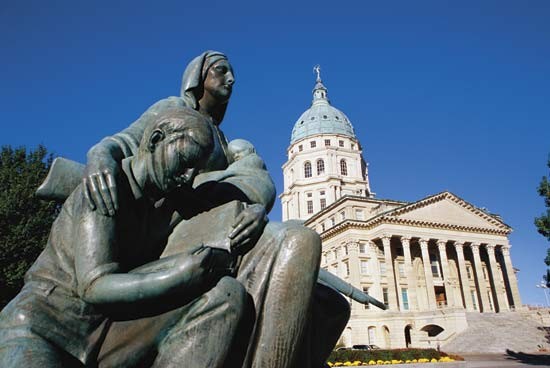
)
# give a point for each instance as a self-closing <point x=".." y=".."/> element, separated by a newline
<point x="219" y="81"/>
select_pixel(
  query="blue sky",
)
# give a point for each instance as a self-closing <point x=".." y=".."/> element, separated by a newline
<point x="443" y="95"/>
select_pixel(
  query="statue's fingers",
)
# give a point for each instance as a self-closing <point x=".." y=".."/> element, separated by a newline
<point x="111" y="184"/>
<point x="239" y="218"/>
<point x="96" y="195"/>
<point x="106" y="195"/>
<point x="241" y="238"/>
<point x="87" y="195"/>
<point x="244" y="223"/>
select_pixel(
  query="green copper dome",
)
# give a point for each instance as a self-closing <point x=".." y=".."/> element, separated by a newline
<point x="321" y="117"/>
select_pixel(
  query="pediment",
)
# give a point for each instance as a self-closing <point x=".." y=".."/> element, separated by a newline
<point x="447" y="209"/>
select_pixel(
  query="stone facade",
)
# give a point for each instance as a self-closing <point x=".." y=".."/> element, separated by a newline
<point x="429" y="261"/>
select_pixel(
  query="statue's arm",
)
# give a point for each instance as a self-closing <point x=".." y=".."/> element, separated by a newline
<point x="103" y="159"/>
<point x="100" y="280"/>
<point x="246" y="180"/>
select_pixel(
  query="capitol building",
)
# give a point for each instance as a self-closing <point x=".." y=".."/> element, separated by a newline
<point x="432" y="261"/>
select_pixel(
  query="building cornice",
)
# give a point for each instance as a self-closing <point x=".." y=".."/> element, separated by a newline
<point x="377" y="221"/>
<point x="390" y="217"/>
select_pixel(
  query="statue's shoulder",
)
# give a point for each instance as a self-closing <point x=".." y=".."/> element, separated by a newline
<point x="167" y="103"/>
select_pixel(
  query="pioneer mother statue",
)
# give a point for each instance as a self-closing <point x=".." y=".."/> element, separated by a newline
<point x="286" y="317"/>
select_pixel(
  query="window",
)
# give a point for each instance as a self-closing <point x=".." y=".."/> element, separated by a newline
<point x="346" y="268"/>
<point x="359" y="214"/>
<point x="364" y="267"/>
<point x="320" y="167"/>
<point x="309" y="195"/>
<point x="313" y="144"/>
<point x="385" y="296"/>
<point x="327" y="142"/>
<point x="345" y="250"/>
<point x="383" y="268"/>
<point x="307" y="169"/>
<point x="401" y="269"/>
<point x="435" y="265"/>
<point x="343" y="167"/>
<point x="309" y="207"/>
<point x="341" y="143"/>
<point x="300" y="148"/>
<point x="323" y="227"/>
<point x="323" y="203"/>
<point x="474" y="300"/>
<point x="353" y="146"/>
<point x="405" y="297"/>
<point x="332" y="221"/>
<point x="322" y="192"/>
<point x="372" y="335"/>
<point x="343" y="215"/>
<point x="469" y="271"/>
<point x="490" y="297"/>
<point x="366" y="291"/>
<point x="363" y="248"/>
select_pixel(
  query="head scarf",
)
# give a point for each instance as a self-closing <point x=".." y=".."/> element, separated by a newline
<point x="193" y="79"/>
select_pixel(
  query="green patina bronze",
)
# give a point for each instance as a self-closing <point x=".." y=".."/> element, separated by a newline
<point x="163" y="255"/>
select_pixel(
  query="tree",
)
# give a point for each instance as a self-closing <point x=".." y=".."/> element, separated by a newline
<point x="25" y="220"/>
<point x="543" y="222"/>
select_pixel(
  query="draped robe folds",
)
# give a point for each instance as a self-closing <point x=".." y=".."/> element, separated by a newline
<point x="248" y="180"/>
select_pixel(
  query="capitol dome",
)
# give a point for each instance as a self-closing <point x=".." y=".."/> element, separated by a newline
<point x="321" y="117"/>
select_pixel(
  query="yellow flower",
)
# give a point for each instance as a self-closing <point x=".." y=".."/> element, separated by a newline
<point x="372" y="362"/>
<point x="433" y="360"/>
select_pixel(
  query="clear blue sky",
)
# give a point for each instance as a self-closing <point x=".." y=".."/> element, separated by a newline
<point x="443" y="95"/>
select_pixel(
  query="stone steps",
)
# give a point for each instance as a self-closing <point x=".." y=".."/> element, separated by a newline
<point x="497" y="332"/>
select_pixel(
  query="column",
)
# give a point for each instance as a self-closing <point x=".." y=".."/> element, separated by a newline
<point x="497" y="281"/>
<point x="353" y="263"/>
<point x="449" y="292"/>
<point x="409" y="272"/>
<point x="482" y="286"/>
<point x="392" y="295"/>
<point x="511" y="276"/>
<point x="428" y="274"/>
<point x="376" y="289"/>
<point x="464" y="281"/>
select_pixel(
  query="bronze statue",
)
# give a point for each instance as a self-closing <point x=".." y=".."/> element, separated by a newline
<point x="284" y="317"/>
<point x="86" y="278"/>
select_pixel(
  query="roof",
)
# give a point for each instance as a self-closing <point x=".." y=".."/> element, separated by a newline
<point x="321" y="118"/>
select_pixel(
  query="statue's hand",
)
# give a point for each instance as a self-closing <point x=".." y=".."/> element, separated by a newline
<point x="248" y="228"/>
<point x="99" y="185"/>
<point x="193" y="268"/>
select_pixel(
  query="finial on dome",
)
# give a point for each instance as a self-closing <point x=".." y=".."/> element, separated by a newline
<point x="317" y="69"/>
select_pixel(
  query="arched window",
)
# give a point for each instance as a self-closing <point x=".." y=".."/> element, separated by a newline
<point x="343" y="167"/>
<point x="307" y="169"/>
<point x="320" y="167"/>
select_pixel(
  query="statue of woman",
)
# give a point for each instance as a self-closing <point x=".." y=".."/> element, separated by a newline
<point x="280" y="261"/>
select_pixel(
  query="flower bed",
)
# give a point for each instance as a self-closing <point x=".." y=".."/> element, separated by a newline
<point x="351" y="358"/>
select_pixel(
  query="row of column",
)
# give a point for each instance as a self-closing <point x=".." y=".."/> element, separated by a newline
<point x="464" y="282"/>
